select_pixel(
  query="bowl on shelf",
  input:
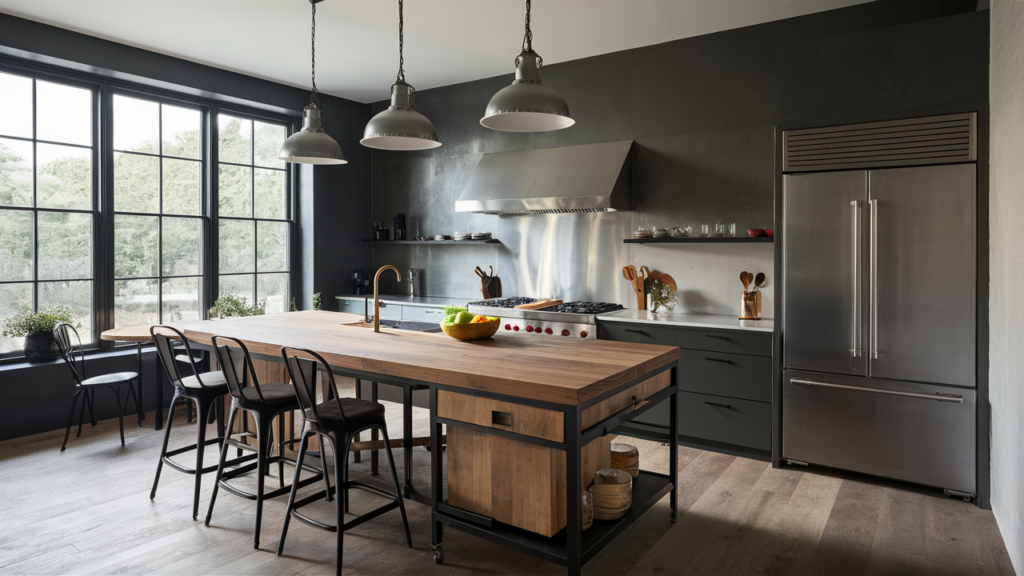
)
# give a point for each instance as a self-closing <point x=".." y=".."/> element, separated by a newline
<point x="755" y="232"/>
<point x="626" y="457"/>
<point x="613" y="494"/>
<point x="472" y="331"/>
<point x="769" y="232"/>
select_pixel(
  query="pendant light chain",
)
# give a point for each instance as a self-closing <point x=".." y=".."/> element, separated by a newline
<point x="528" y="38"/>
<point x="401" y="45"/>
<point x="314" y="96"/>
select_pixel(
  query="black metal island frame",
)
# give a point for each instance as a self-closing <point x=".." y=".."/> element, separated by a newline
<point x="571" y="379"/>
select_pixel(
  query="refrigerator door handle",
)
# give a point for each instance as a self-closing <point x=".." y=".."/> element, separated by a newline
<point x="937" y="397"/>
<point x="856" y="336"/>
<point x="874" y="278"/>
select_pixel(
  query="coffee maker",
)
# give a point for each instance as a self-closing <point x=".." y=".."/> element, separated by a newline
<point x="360" y="281"/>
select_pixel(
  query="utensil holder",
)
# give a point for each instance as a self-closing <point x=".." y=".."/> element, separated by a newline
<point x="750" y="305"/>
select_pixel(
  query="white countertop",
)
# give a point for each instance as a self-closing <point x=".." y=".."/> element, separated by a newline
<point x="425" y="301"/>
<point x="693" y="320"/>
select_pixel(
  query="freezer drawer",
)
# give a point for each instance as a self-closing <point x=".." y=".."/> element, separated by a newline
<point x="897" y="430"/>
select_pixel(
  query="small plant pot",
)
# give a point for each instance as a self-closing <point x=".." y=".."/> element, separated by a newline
<point x="40" y="345"/>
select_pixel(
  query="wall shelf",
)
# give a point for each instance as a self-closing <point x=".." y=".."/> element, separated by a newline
<point x="488" y="241"/>
<point x="696" y="240"/>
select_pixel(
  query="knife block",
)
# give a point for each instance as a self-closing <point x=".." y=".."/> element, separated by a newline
<point x="750" y="305"/>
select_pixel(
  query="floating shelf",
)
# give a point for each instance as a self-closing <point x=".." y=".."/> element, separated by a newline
<point x="696" y="240"/>
<point x="488" y="241"/>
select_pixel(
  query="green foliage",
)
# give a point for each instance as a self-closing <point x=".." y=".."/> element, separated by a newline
<point x="318" y="304"/>
<point x="449" y="310"/>
<point x="662" y="297"/>
<point x="231" y="306"/>
<point x="42" y="321"/>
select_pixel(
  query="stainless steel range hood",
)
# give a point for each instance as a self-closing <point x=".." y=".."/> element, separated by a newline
<point x="587" y="178"/>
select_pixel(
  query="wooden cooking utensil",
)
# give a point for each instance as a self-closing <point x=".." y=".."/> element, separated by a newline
<point x="630" y="273"/>
<point x="758" y="280"/>
<point x="539" y="304"/>
<point x="745" y="277"/>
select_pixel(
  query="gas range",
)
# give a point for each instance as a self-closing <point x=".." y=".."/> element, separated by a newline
<point x="571" y="319"/>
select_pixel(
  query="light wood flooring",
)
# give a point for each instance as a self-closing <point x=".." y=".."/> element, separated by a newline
<point x="87" y="511"/>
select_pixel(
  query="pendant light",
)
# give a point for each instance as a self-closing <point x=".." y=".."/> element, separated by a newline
<point x="527" y="105"/>
<point x="312" y="145"/>
<point x="400" y="127"/>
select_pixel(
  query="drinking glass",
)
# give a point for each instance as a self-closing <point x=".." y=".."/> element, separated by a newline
<point x="730" y="229"/>
<point x="719" y="230"/>
<point x="705" y="230"/>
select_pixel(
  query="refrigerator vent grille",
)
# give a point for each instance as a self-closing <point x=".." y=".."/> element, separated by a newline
<point x="934" y="140"/>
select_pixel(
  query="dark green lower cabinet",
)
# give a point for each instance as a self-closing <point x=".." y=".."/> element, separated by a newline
<point x="725" y="382"/>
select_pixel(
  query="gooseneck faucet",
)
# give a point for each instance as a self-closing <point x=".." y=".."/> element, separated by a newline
<point x="376" y="294"/>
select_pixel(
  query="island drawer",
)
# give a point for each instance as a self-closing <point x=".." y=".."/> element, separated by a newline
<point x="422" y="314"/>
<point x="727" y="420"/>
<point x="724" y="374"/>
<point x="731" y="341"/>
<point x="641" y="392"/>
<point x="515" y="418"/>
<point x="639" y="333"/>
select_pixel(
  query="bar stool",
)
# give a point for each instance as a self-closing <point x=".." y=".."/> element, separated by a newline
<point x="86" y="387"/>
<point x="205" y="389"/>
<point x="265" y="402"/>
<point x="337" y="420"/>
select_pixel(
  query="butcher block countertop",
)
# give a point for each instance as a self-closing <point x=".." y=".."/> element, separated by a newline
<point x="561" y="371"/>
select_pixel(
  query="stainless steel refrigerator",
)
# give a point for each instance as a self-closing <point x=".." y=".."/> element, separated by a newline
<point x="879" y="324"/>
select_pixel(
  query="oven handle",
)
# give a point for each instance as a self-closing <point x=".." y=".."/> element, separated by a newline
<point x="938" y="397"/>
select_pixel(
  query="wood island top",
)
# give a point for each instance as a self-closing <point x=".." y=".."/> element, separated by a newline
<point x="562" y="371"/>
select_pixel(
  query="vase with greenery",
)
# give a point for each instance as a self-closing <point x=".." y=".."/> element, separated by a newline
<point x="231" y="306"/>
<point x="663" y="298"/>
<point x="37" y="329"/>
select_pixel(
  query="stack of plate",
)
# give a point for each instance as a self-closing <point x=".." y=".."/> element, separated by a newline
<point x="626" y="457"/>
<point x="613" y="494"/>
<point x="461" y="236"/>
<point x="481" y="236"/>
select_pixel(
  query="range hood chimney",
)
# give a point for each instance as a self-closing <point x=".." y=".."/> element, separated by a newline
<point x="587" y="178"/>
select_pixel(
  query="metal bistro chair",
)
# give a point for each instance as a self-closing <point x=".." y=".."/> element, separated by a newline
<point x="336" y="420"/>
<point x="265" y="402"/>
<point x="67" y="339"/>
<point x="205" y="389"/>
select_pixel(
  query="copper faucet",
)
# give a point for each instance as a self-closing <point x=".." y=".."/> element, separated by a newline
<point x="376" y="294"/>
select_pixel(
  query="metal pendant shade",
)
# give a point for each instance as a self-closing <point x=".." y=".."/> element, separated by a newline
<point x="400" y="127"/>
<point x="311" y="145"/>
<point x="527" y="105"/>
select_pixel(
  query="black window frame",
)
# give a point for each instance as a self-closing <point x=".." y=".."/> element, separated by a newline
<point x="104" y="89"/>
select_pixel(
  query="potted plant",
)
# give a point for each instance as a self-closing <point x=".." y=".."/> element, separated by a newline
<point x="663" y="299"/>
<point x="37" y="329"/>
<point x="231" y="306"/>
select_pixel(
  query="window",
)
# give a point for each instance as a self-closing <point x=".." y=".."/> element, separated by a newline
<point x="158" y="212"/>
<point x="47" y="200"/>
<point x="254" y="229"/>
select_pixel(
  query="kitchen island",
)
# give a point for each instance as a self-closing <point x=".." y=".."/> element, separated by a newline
<point x="557" y="399"/>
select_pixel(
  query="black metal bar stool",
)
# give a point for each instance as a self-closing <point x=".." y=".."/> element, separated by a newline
<point x="67" y="339"/>
<point x="265" y="402"/>
<point x="337" y="421"/>
<point x="205" y="389"/>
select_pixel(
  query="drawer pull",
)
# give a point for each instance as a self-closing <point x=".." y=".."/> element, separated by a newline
<point x="939" y="397"/>
<point x="717" y="404"/>
<point x="718" y="360"/>
<point x="716" y="337"/>
<point x="501" y="418"/>
<point x="635" y="331"/>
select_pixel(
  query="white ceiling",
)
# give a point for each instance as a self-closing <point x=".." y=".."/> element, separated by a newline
<point x="446" y="41"/>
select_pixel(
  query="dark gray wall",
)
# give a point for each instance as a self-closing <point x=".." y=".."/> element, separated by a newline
<point x="702" y="112"/>
<point x="332" y="201"/>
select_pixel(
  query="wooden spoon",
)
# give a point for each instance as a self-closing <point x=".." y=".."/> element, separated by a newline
<point x="745" y="278"/>
<point x="758" y="280"/>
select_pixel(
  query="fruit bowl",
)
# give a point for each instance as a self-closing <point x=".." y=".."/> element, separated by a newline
<point x="471" y="331"/>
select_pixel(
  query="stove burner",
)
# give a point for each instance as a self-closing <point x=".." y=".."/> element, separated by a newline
<point x="505" y="302"/>
<point x="584" y="307"/>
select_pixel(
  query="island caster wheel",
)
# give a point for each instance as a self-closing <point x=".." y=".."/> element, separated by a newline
<point x="438" y="555"/>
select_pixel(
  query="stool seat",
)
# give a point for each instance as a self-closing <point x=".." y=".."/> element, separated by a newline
<point x="105" y="379"/>
<point x="273" y="393"/>
<point x="209" y="379"/>
<point x="346" y="412"/>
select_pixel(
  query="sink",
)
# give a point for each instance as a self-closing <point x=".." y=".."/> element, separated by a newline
<point x="398" y="324"/>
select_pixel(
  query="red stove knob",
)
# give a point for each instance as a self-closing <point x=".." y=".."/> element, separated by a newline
<point x="565" y="332"/>
<point x="508" y="326"/>
<point x="583" y="334"/>
<point x="515" y="328"/>
<point x="548" y="331"/>
<point x="529" y="328"/>
<point x="537" y="329"/>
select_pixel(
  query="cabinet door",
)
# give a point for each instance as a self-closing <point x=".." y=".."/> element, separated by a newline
<point x="824" y="223"/>
<point x="923" y="260"/>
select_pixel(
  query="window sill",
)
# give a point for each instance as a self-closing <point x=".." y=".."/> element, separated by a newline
<point x="13" y="364"/>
